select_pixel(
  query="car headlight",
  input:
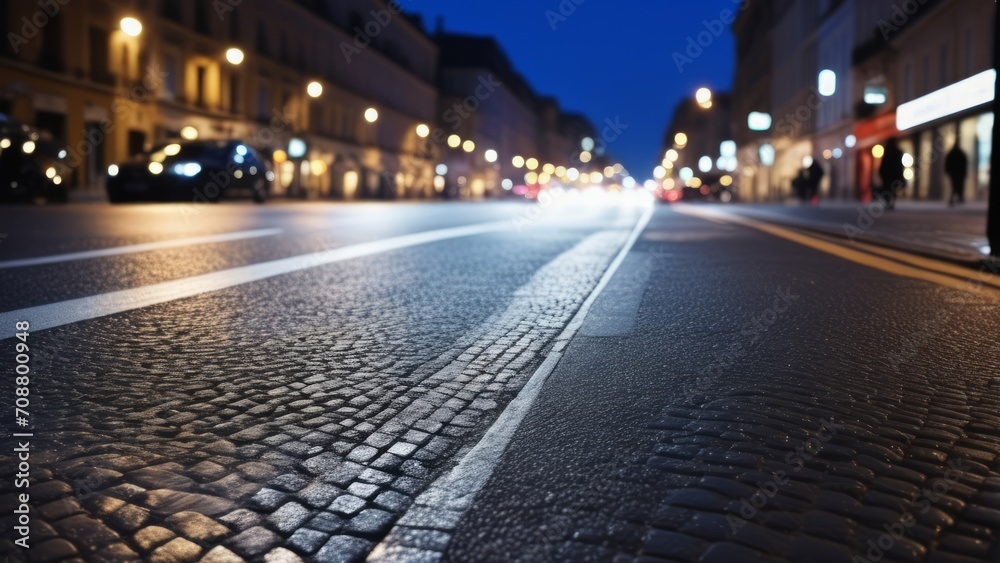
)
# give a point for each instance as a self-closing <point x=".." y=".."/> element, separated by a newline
<point x="188" y="169"/>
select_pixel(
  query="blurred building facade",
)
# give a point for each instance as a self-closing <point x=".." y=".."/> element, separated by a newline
<point x="843" y="73"/>
<point x="351" y="98"/>
<point x="699" y="150"/>
<point x="110" y="88"/>
<point x="499" y="133"/>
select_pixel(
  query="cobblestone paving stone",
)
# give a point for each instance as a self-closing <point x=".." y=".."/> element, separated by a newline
<point x="809" y="472"/>
<point x="163" y="451"/>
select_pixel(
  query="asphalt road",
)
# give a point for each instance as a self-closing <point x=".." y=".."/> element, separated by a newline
<point x="491" y="382"/>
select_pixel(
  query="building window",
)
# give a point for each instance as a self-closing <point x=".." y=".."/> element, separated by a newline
<point x="200" y="85"/>
<point x="53" y="56"/>
<point x="99" y="67"/>
<point x="284" y="55"/>
<point x="170" y="76"/>
<point x="234" y="25"/>
<point x="7" y="50"/>
<point x="262" y="48"/>
<point x="171" y="10"/>
<point x="908" y="82"/>
<point x="970" y="52"/>
<point x="927" y="74"/>
<point x="234" y="93"/>
<point x="943" y="81"/>
<point x="263" y="104"/>
<point x="201" y="24"/>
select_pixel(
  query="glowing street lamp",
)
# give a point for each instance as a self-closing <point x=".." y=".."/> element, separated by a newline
<point x="423" y="131"/>
<point x="827" y="83"/>
<point x="468" y="146"/>
<point x="491" y="156"/>
<point x="518" y="161"/>
<point x="131" y="26"/>
<point x="371" y="115"/>
<point x="235" y="56"/>
<point x="704" y="97"/>
<point x="454" y="141"/>
<point x="314" y="89"/>
<point x="681" y="140"/>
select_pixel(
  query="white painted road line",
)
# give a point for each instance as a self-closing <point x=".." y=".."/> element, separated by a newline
<point x="451" y="495"/>
<point x="143" y="247"/>
<point x="67" y="312"/>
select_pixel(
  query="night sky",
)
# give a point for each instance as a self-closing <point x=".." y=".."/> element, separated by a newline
<point x="608" y="59"/>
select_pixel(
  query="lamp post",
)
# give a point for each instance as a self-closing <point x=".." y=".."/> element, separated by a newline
<point x="993" y="221"/>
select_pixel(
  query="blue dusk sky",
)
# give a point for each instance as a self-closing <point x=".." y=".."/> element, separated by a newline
<point x="624" y="60"/>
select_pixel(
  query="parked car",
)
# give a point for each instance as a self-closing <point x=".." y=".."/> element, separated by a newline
<point x="196" y="171"/>
<point x="32" y="164"/>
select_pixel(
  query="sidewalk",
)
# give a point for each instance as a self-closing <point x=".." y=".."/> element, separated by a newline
<point x="955" y="234"/>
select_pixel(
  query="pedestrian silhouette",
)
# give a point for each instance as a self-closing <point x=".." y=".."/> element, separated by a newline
<point x="815" y="177"/>
<point x="891" y="172"/>
<point x="800" y="185"/>
<point x="956" y="165"/>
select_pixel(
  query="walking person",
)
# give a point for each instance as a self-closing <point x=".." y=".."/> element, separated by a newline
<point x="800" y="185"/>
<point x="892" y="172"/>
<point x="815" y="176"/>
<point x="956" y="166"/>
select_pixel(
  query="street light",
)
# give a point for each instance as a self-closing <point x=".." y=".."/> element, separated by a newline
<point x="759" y="121"/>
<point x="454" y="141"/>
<point x="518" y="161"/>
<point x="491" y="156"/>
<point x="371" y="115"/>
<point x="681" y="140"/>
<point x="704" y="97"/>
<point x="234" y="56"/>
<point x="705" y="164"/>
<point x="131" y="26"/>
<point x="314" y="89"/>
<point x="468" y="146"/>
<point x="827" y="83"/>
<point x="423" y="131"/>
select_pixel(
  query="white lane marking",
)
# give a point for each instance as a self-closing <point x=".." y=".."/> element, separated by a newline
<point x="143" y="247"/>
<point x="453" y="493"/>
<point x="66" y="312"/>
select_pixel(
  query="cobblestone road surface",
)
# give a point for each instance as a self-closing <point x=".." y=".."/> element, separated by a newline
<point x="294" y="418"/>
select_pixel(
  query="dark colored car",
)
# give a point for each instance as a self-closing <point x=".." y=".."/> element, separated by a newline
<point x="196" y="171"/>
<point x="32" y="164"/>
